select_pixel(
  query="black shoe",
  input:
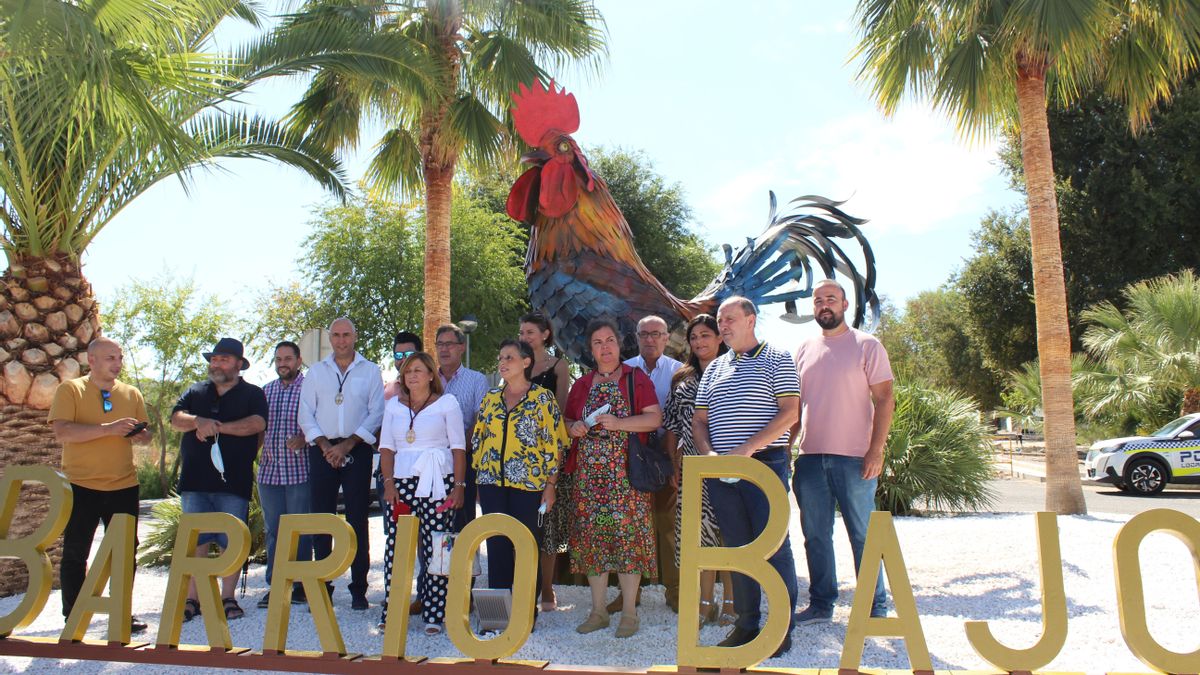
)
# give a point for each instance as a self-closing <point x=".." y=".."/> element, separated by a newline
<point x="359" y="602"/>
<point x="738" y="637"/>
<point x="265" y="601"/>
<point x="136" y="625"/>
<point x="298" y="596"/>
<point x="784" y="648"/>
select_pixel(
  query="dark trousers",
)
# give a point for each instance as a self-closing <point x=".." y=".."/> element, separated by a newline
<point x="354" y="479"/>
<point x="742" y="511"/>
<point x="466" y="513"/>
<point x="520" y="504"/>
<point x="664" y="540"/>
<point x="89" y="509"/>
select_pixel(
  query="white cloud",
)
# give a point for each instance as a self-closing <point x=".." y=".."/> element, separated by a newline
<point x="908" y="174"/>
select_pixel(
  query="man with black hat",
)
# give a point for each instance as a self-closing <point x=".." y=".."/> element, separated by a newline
<point x="221" y="419"/>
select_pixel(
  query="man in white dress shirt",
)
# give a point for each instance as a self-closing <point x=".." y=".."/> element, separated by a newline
<point x="341" y="409"/>
<point x="653" y="335"/>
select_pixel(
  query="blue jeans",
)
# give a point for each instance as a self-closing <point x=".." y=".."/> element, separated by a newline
<point x="742" y="511"/>
<point x="215" y="502"/>
<point x="821" y="481"/>
<point x="277" y="500"/>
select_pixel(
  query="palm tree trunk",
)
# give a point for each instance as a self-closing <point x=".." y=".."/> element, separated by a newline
<point x="1064" y="493"/>
<point x="438" y="193"/>
<point x="47" y="317"/>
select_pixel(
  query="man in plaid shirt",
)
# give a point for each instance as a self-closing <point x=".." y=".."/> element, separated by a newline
<point x="283" y="465"/>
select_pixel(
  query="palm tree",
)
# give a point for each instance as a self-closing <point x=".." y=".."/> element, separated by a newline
<point x="988" y="63"/>
<point x="1148" y="353"/>
<point x="478" y="52"/>
<point x="99" y="101"/>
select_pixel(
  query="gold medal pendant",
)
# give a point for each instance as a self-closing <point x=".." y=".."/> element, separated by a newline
<point x="410" y="436"/>
<point x="339" y="398"/>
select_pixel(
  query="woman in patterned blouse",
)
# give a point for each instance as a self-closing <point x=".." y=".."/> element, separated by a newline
<point x="518" y="440"/>
<point x="704" y="345"/>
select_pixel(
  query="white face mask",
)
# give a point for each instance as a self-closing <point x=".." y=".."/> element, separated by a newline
<point x="218" y="461"/>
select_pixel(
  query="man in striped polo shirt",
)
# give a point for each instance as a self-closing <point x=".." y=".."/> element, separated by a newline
<point x="748" y="399"/>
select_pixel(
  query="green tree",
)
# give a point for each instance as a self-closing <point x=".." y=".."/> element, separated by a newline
<point x="988" y="63"/>
<point x="1127" y="201"/>
<point x="99" y="101"/>
<point x="1149" y="352"/>
<point x="996" y="284"/>
<point x="163" y="326"/>
<point x="930" y="343"/>
<point x="476" y="54"/>
<point x="364" y="260"/>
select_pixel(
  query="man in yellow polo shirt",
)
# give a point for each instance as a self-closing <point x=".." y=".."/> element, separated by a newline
<point x="97" y="419"/>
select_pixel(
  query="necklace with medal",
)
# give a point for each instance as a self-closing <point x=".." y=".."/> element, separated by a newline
<point x="411" y="436"/>
<point x="341" y="383"/>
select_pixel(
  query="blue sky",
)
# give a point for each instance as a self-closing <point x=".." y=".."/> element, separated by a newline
<point x="728" y="99"/>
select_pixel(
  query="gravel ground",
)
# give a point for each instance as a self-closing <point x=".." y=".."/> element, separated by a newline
<point x="961" y="568"/>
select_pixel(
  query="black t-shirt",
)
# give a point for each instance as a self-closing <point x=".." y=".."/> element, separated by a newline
<point x="198" y="473"/>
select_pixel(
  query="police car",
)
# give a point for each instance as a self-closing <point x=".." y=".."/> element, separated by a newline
<point x="1144" y="465"/>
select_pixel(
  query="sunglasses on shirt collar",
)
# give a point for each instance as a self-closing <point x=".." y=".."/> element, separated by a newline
<point x="106" y="400"/>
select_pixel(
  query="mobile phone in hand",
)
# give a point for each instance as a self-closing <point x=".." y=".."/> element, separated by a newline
<point x="137" y="429"/>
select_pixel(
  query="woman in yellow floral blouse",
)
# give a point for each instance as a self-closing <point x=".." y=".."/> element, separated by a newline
<point x="518" y="441"/>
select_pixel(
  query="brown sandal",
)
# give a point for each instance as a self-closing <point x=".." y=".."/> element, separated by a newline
<point x="191" y="610"/>
<point x="232" y="610"/>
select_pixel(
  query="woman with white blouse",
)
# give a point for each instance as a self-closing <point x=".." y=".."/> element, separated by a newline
<point x="422" y="454"/>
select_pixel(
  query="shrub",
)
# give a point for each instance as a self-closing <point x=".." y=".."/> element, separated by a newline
<point x="159" y="544"/>
<point x="938" y="453"/>
<point x="149" y="486"/>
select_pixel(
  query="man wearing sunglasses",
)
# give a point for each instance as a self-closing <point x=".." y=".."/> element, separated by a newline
<point x="97" y="418"/>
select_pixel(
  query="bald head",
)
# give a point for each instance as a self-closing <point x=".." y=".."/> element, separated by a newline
<point x="104" y="359"/>
<point x="342" y="337"/>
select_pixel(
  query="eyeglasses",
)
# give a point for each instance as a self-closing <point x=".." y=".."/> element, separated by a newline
<point x="400" y="356"/>
<point x="651" y="334"/>
<point x="106" y="400"/>
<point x="444" y="345"/>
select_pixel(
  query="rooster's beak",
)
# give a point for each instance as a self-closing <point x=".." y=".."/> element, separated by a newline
<point x="535" y="157"/>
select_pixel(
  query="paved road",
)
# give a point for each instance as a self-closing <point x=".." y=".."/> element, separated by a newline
<point x="1025" y="495"/>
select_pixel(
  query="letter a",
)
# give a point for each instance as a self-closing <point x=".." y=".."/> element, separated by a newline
<point x="113" y="561"/>
<point x="883" y="548"/>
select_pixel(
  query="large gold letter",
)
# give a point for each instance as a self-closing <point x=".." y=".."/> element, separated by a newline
<point x="311" y="574"/>
<point x="1054" y="611"/>
<point x="458" y="605"/>
<point x="883" y="548"/>
<point x="395" y="633"/>
<point x="750" y="560"/>
<point x="113" y="561"/>
<point x="31" y="549"/>
<point x="206" y="571"/>
<point x="1131" y="597"/>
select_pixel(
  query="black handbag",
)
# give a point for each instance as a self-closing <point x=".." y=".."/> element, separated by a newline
<point x="649" y="469"/>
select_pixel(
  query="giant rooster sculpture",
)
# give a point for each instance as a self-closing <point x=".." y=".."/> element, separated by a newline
<point x="581" y="263"/>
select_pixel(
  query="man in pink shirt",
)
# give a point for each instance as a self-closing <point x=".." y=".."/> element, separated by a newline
<point x="846" y="407"/>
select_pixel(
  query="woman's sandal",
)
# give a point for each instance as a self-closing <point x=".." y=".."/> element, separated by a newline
<point x="232" y="609"/>
<point x="191" y="609"/>
<point x="708" y="612"/>
<point x="433" y="629"/>
<point x="728" y="615"/>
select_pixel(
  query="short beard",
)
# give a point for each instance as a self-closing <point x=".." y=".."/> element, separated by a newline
<point x="833" y="321"/>
<point x="219" y="376"/>
<point x="292" y="372"/>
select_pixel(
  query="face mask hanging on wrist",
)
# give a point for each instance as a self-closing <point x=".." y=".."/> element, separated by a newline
<point x="218" y="461"/>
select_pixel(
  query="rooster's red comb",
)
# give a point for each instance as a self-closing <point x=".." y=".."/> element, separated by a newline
<point x="539" y="109"/>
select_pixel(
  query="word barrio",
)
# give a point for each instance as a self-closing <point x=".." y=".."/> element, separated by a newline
<point x="113" y="567"/>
